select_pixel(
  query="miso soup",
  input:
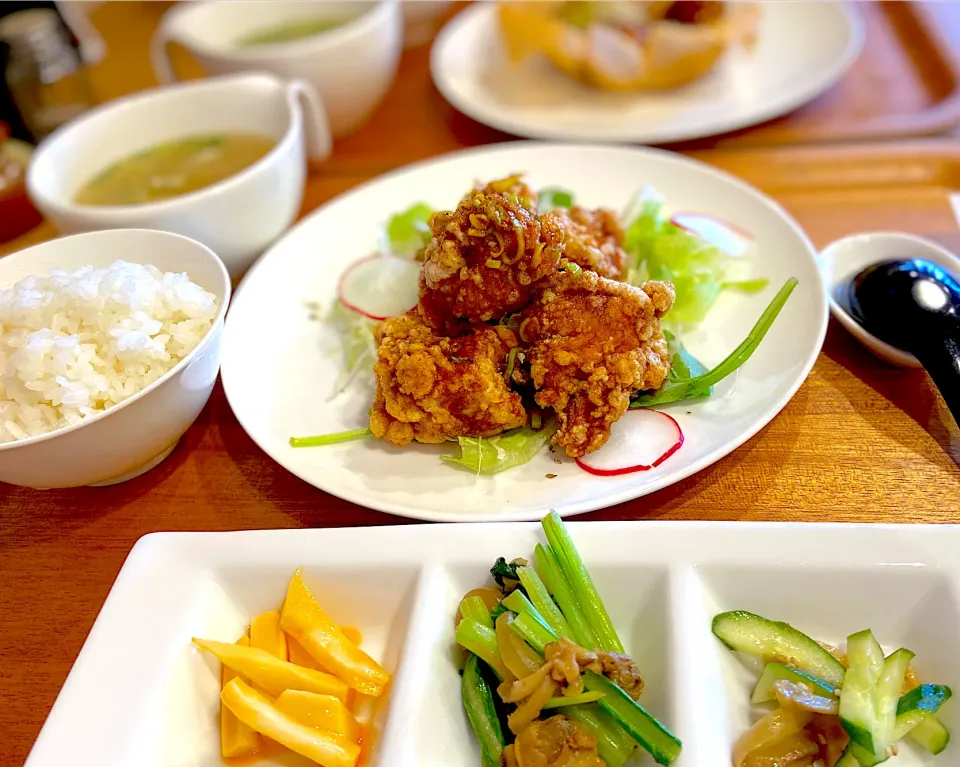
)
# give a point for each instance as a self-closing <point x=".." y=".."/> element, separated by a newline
<point x="174" y="168"/>
<point x="293" y="30"/>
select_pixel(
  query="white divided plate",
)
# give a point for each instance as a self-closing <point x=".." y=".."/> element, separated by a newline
<point x="139" y="695"/>
<point x="280" y="367"/>
<point x="803" y="48"/>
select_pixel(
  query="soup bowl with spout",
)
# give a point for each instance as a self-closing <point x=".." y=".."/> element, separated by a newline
<point x="237" y="217"/>
<point x="348" y="51"/>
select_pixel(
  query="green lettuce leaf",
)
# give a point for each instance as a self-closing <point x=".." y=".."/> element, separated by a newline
<point x="659" y="250"/>
<point x="699" y="385"/>
<point x="495" y="454"/>
<point x="553" y="197"/>
<point x="409" y="232"/>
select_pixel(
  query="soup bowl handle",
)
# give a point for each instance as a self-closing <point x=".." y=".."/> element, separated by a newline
<point x="166" y="33"/>
<point x="303" y="99"/>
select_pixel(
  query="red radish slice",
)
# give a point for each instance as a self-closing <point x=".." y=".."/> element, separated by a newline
<point x="731" y="240"/>
<point x="380" y="286"/>
<point x="648" y="435"/>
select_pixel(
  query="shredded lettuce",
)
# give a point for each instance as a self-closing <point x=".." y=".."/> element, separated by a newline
<point x="495" y="454"/>
<point x="553" y="197"/>
<point x="356" y="343"/>
<point x="409" y="232"/>
<point x="659" y="250"/>
<point x="699" y="384"/>
<point x="747" y="286"/>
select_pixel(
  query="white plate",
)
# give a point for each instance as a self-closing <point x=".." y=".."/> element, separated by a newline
<point x="279" y="373"/>
<point x="140" y="696"/>
<point x="803" y="49"/>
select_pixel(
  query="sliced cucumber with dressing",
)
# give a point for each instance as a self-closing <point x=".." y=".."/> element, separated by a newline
<point x="777" y="641"/>
<point x="871" y="692"/>
<point x="865" y="758"/>
<point x="775" y="672"/>
<point x="918" y="705"/>
<point x="847" y="759"/>
<point x="931" y="734"/>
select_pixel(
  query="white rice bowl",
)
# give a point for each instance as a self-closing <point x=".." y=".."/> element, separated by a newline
<point x="75" y="343"/>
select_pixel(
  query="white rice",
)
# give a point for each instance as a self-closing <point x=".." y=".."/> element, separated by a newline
<point x="78" y="342"/>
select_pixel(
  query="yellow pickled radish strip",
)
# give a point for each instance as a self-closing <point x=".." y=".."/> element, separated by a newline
<point x="236" y="738"/>
<point x="297" y="654"/>
<point x="265" y="633"/>
<point x="352" y="634"/>
<point x="325" y="712"/>
<point x="256" y="710"/>
<point x="270" y="673"/>
<point x="305" y="620"/>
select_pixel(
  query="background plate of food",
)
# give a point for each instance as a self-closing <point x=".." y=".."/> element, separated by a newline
<point x="641" y="72"/>
<point x="551" y="325"/>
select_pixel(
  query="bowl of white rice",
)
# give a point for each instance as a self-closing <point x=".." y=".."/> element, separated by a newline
<point x="109" y="349"/>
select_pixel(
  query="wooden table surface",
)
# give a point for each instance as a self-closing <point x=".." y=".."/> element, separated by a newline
<point x="859" y="442"/>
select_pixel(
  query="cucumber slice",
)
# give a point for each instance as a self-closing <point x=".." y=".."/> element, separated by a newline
<point x="918" y="705"/>
<point x="865" y="758"/>
<point x="871" y="693"/>
<point x="847" y="759"/>
<point x="777" y="641"/>
<point x="775" y="672"/>
<point x="931" y="734"/>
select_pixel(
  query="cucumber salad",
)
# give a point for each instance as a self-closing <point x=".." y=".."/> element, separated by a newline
<point x="546" y="681"/>
<point x="828" y="708"/>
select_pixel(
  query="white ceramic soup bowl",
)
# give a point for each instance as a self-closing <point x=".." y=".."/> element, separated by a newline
<point x="138" y="433"/>
<point x="351" y="65"/>
<point x="238" y="217"/>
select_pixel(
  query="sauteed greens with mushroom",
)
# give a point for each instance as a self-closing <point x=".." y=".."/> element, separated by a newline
<point x="546" y="682"/>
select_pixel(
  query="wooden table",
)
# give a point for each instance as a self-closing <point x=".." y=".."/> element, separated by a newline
<point x="859" y="442"/>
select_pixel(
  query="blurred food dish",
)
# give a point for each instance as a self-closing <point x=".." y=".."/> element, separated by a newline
<point x="348" y="51"/>
<point x="236" y="215"/>
<point x="675" y="81"/>
<point x="627" y="46"/>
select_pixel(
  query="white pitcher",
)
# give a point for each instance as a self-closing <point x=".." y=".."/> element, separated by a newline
<point x="351" y="65"/>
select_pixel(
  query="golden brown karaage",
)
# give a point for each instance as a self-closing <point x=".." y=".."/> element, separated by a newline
<point x="486" y="256"/>
<point x="593" y="239"/>
<point x="591" y="343"/>
<point x="431" y="388"/>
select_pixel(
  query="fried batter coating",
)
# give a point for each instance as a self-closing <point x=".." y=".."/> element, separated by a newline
<point x="593" y="342"/>
<point x="593" y="239"/>
<point x="431" y="388"/>
<point x="485" y="256"/>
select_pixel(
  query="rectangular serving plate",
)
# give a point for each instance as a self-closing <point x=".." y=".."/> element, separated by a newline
<point x="140" y="695"/>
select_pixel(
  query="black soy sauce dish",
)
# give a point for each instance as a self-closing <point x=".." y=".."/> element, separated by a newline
<point x="914" y="305"/>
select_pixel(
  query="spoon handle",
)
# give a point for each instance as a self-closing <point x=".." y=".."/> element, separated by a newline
<point x="939" y="353"/>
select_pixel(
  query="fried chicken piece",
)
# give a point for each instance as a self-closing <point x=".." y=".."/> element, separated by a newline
<point x="431" y="388"/>
<point x="592" y="343"/>
<point x="486" y="256"/>
<point x="593" y="239"/>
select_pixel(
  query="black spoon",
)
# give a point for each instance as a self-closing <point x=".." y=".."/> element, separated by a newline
<point x="914" y="305"/>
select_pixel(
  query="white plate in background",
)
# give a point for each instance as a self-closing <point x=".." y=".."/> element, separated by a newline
<point x="803" y="48"/>
<point x="280" y="368"/>
<point x="140" y="695"/>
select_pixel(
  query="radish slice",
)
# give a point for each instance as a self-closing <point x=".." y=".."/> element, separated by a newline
<point x="380" y="286"/>
<point x="731" y="240"/>
<point x="647" y="435"/>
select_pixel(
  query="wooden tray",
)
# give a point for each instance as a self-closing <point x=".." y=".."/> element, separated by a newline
<point x="860" y="441"/>
<point x="905" y="83"/>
